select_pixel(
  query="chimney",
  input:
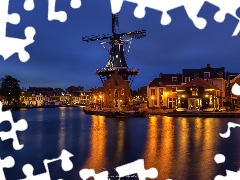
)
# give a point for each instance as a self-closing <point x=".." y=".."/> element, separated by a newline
<point x="208" y="65"/>
<point x="160" y="75"/>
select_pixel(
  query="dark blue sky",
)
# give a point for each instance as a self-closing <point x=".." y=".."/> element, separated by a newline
<point x="59" y="57"/>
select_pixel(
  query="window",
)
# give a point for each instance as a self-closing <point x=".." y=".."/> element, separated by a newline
<point x="174" y="89"/>
<point x="122" y="92"/>
<point x="116" y="82"/>
<point x="206" y="75"/>
<point x="194" y="93"/>
<point x="161" y="91"/>
<point x="116" y="93"/>
<point x="152" y="92"/>
<point x="194" y="90"/>
<point x="155" y="102"/>
<point x="187" y="79"/>
<point x="174" y="78"/>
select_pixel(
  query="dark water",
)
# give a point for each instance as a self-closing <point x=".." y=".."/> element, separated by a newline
<point x="180" y="148"/>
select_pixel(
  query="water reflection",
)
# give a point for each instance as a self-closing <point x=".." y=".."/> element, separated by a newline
<point x="62" y="133"/>
<point x="210" y="141"/>
<point x="160" y="146"/>
<point x="120" y="141"/>
<point x="182" y="148"/>
<point x="98" y="137"/>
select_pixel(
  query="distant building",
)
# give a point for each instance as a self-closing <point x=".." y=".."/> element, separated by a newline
<point x="198" y="94"/>
<point x="162" y="91"/>
<point x="45" y="91"/>
<point x="81" y="97"/>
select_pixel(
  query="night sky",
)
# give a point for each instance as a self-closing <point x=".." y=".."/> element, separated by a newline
<point x="59" y="57"/>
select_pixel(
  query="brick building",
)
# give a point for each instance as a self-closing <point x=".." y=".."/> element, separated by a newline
<point x="116" y="91"/>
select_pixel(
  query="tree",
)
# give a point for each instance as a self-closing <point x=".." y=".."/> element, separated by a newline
<point x="10" y="90"/>
<point x="72" y="89"/>
<point x="58" y="91"/>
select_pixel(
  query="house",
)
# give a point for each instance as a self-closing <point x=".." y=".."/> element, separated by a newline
<point x="162" y="91"/>
<point x="215" y="76"/>
<point x="198" y="94"/>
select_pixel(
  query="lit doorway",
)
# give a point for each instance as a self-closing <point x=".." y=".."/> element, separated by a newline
<point x="194" y="104"/>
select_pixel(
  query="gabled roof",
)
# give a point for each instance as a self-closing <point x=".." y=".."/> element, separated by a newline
<point x="166" y="79"/>
<point x="200" y="83"/>
<point x="116" y="76"/>
<point x="236" y="79"/>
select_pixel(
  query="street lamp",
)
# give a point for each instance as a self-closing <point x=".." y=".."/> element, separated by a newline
<point x="152" y="103"/>
<point x="152" y="99"/>
<point x="100" y="101"/>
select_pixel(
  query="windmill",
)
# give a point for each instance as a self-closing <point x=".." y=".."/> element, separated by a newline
<point x="118" y="49"/>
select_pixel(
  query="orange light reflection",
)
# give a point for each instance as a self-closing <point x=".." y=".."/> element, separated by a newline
<point x="97" y="158"/>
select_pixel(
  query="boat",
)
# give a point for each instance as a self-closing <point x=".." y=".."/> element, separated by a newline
<point x="115" y="114"/>
<point x="127" y="114"/>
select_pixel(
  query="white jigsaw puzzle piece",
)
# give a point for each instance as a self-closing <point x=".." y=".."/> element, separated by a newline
<point x="66" y="166"/>
<point x="137" y="167"/>
<point x="21" y="125"/>
<point x="230" y="125"/>
<point x="60" y="15"/>
<point x="230" y="175"/>
<point x="87" y="173"/>
<point x="192" y="9"/>
<point x="236" y="89"/>
<point x="7" y="162"/>
<point x="9" y="46"/>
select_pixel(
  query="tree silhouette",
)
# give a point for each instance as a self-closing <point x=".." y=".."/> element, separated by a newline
<point x="72" y="89"/>
<point x="10" y="90"/>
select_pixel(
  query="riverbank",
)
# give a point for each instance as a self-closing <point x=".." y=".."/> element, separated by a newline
<point x="170" y="113"/>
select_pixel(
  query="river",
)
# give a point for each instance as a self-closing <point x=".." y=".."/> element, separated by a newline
<point x="179" y="148"/>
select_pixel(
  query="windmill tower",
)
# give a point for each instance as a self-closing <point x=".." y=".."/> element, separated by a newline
<point x="116" y="69"/>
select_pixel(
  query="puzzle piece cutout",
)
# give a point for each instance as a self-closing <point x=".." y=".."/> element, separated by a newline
<point x="137" y="167"/>
<point x="21" y="125"/>
<point x="87" y="173"/>
<point x="66" y="166"/>
<point x="192" y="9"/>
<point x="60" y="15"/>
<point x="29" y="5"/>
<point x="230" y="175"/>
<point x="230" y="125"/>
<point x="219" y="158"/>
<point x="8" y="45"/>
<point x="7" y="162"/>
<point x="236" y="89"/>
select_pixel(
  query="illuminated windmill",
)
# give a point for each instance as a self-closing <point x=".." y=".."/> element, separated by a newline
<point x="117" y="47"/>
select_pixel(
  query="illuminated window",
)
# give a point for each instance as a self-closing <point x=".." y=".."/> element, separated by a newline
<point x="152" y="92"/>
<point x="194" y="93"/>
<point x="161" y="91"/>
<point x="122" y="92"/>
